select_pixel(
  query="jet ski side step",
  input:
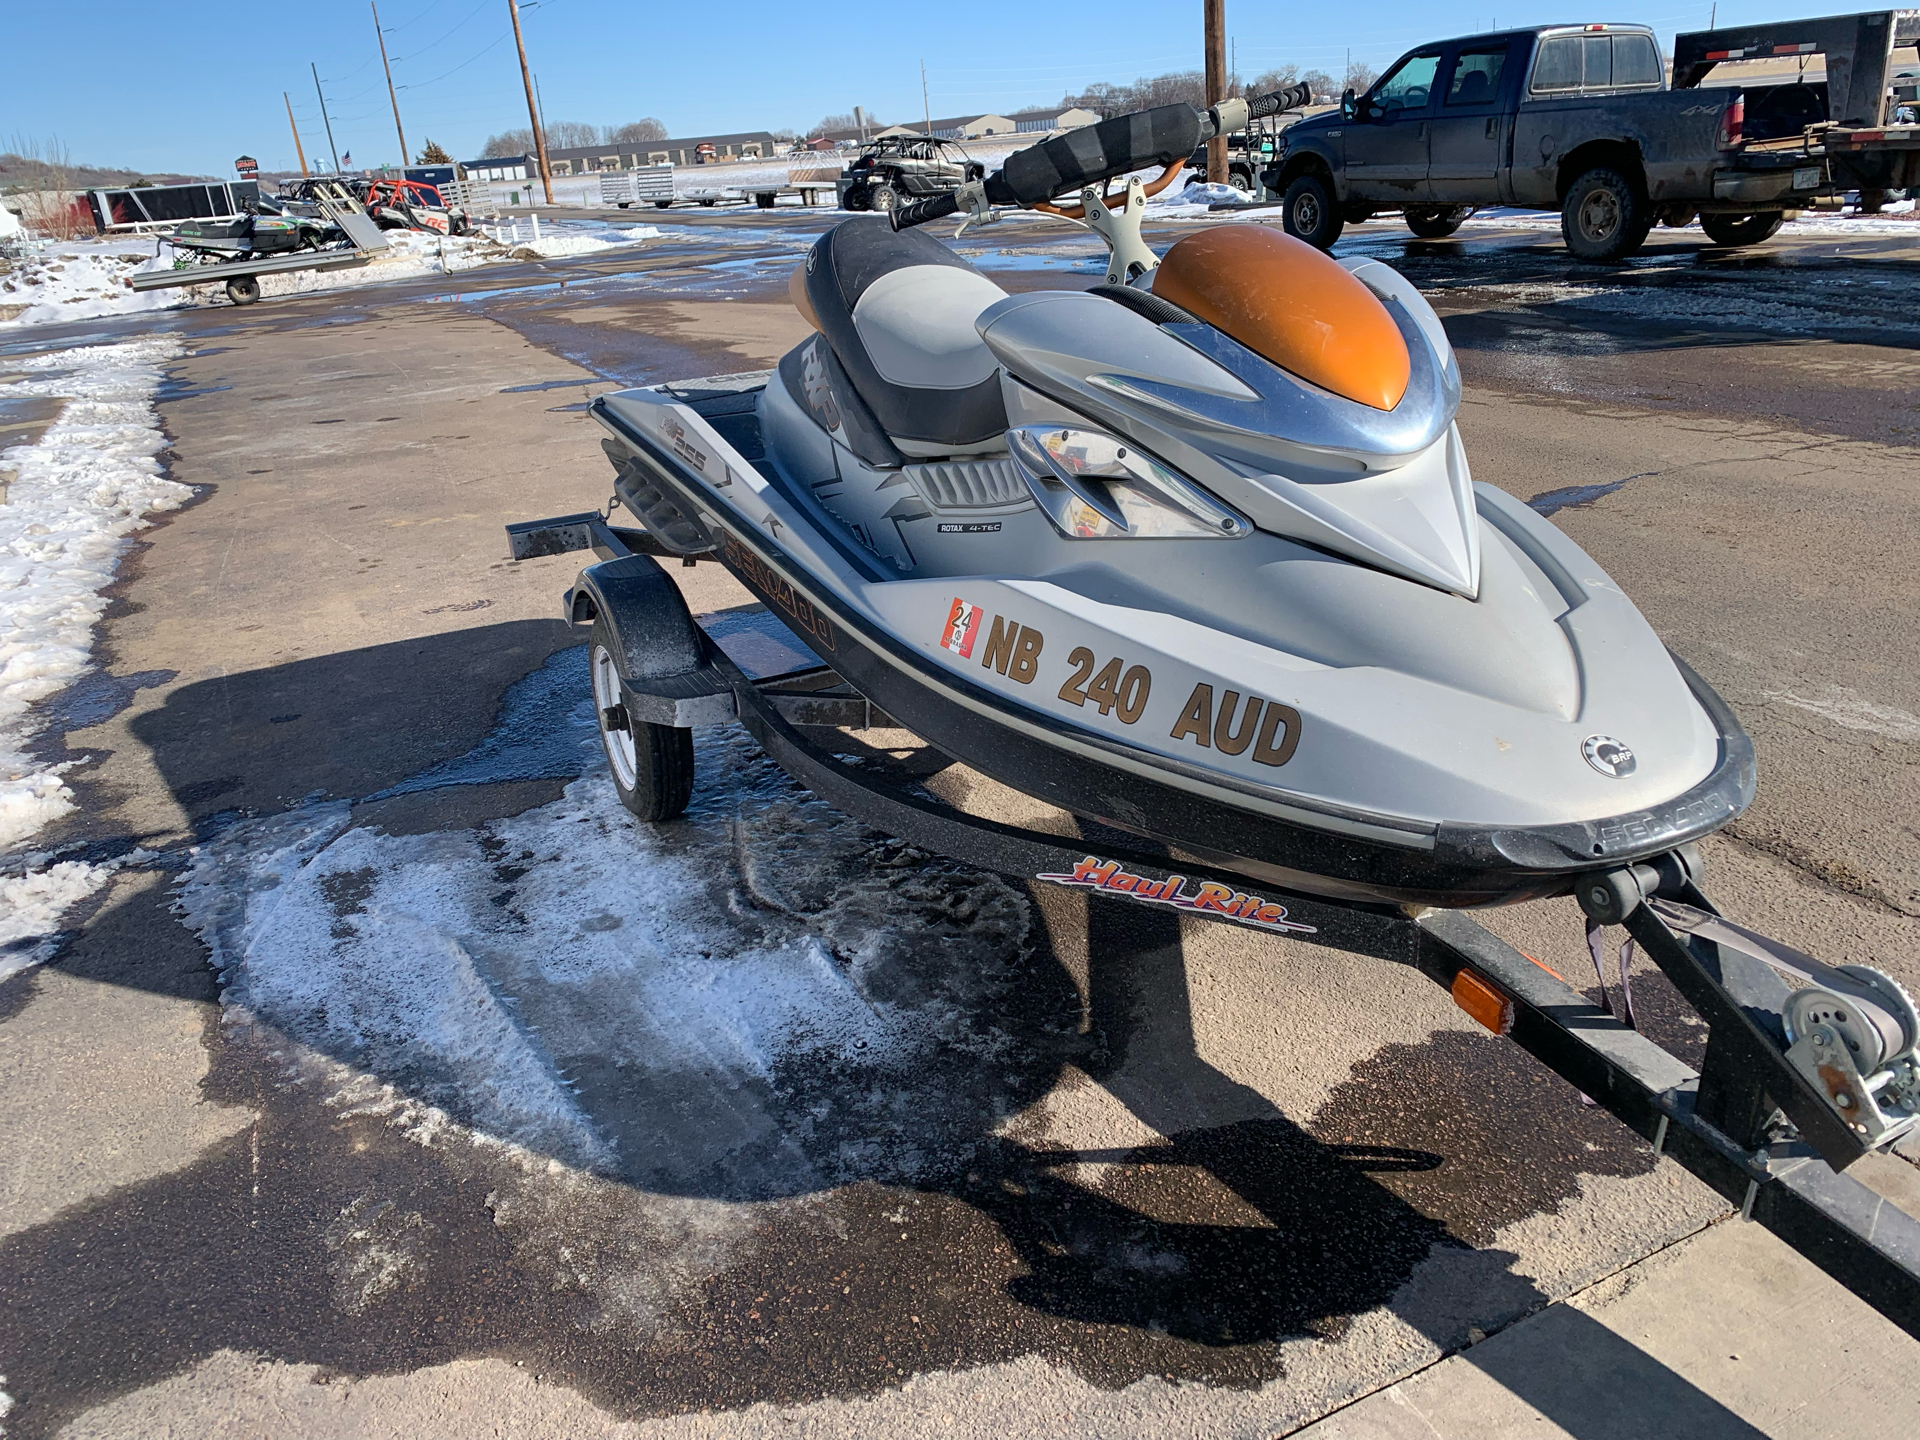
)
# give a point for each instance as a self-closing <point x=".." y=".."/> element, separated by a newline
<point x="1762" y="1122"/>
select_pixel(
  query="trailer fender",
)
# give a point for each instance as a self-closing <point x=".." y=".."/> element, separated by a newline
<point x="663" y="657"/>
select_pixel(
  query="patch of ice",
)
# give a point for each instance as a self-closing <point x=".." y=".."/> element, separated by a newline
<point x="76" y="494"/>
<point x="644" y="999"/>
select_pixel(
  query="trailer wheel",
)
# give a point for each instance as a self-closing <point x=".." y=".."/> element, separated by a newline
<point x="1741" y="229"/>
<point x="1604" y="219"/>
<point x="1436" y="222"/>
<point x="1307" y="213"/>
<point x="662" y="204"/>
<point x="243" y="289"/>
<point x="652" y="765"/>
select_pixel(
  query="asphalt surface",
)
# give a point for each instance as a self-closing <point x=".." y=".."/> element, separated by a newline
<point x="1154" y="1178"/>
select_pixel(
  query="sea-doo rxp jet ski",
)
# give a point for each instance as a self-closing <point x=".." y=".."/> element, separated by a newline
<point x="1196" y="554"/>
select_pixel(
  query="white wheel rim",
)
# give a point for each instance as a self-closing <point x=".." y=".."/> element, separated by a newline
<point x="622" y="756"/>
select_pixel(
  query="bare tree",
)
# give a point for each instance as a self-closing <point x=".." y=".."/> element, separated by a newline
<point x="506" y="143"/>
<point x="1273" y="80"/>
<point x="828" y="124"/>
<point x="1360" y="77"/>
<point x="1144" y="93"/>
<point x="635" y="132"/>
<point x="44" y="191"/>
<point x="1320" y="83"/>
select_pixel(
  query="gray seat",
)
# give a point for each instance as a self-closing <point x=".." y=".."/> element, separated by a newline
<point x="898" y="309"/>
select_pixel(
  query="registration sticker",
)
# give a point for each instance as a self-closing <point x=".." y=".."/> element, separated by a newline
<point x="963" y="623"/>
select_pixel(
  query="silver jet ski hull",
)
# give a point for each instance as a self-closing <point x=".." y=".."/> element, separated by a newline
<point x="691" y="468"/>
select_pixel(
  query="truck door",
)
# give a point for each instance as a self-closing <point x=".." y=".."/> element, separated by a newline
<point x="1386" y="154"/>
<point x="1468" y="130"/>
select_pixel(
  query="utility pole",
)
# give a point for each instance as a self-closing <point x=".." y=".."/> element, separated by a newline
<point x="926" y="106"/>
<point x="390" y="91"/>
<point x="298" y="149"/>
<point x="1216" y="34"/>
<point x="540" y="104"/>
<point x="533" y="105"/>
<point x="335" y="149"/>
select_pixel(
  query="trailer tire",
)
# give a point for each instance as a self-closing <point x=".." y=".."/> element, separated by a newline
<point x="1436" y="222"/>
<point x="1731" y="230"/>
<point x="1604" y="219"/>
<point x="243" y="289"/>
<point x="1307" y="213"/>
<point x="651" y="765"/>
<point x="662" y="204"/>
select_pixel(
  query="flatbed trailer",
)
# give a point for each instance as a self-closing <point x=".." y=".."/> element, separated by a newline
<point x="242" y="277"/>
<point x="1748" y="1123"/>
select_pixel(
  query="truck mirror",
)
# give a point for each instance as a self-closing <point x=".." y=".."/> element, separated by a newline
<point x="1348" y="106"/>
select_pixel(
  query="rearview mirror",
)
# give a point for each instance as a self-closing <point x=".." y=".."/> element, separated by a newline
<point x="1348" y="106"/>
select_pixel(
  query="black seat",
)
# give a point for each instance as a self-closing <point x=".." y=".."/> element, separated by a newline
<point x="898" y="309"/>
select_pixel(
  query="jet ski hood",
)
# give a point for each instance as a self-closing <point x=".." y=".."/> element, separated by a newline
<point x="1380" y="479"/>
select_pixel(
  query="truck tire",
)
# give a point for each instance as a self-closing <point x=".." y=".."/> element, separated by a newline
<point x="1436" y="222"/>
<point x="1741" y="229"/>
<point x="1604" y="218"/>
<point x="651" y="765"/>
<point x="1307" y="213"/>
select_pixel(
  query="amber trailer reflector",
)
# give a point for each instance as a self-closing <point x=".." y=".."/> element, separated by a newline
<point x="1284" y="300"/>
<point x="1482" y="1002"/>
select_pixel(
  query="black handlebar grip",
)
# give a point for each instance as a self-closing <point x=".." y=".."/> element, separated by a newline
<point x="1291" y="98"/>
<point x="921" y="211"/>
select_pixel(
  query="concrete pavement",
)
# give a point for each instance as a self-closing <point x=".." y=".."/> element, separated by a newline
<point x="1207" y="1183"/>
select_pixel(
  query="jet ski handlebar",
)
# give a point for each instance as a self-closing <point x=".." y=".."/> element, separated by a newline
<point x="1163" y="135"/>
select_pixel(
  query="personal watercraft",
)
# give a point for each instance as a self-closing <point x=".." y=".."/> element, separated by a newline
<point x="1195" y="556"/>
<point x="1196" y="553"/>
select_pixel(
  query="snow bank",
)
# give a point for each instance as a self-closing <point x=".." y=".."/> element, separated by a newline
<point x="74" y="497"/>
<point x="87" y="279"/>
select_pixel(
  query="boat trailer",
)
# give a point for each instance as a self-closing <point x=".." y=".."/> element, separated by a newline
<point x="1798" y="1081"/>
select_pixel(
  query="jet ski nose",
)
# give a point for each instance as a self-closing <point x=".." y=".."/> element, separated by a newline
<point x="1292" y="305"/>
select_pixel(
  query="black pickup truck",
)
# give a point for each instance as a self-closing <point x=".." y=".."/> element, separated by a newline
<point x="1580" y="119"/>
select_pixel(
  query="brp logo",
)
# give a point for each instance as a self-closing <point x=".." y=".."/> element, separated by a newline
<point x="1608" y="756"/>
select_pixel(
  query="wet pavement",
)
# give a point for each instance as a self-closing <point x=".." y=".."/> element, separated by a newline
<point x="998" y="1161"/>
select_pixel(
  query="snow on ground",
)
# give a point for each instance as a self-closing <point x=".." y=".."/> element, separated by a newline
<point x="73" y="497"/>
<point x="650" y="1001"/>
<point x="83" y="279"/>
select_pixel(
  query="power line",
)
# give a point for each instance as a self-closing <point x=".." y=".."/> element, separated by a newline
<point x="420" y="84"/>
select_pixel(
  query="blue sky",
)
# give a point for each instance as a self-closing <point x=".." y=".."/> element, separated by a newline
<point x="124" y="83"/>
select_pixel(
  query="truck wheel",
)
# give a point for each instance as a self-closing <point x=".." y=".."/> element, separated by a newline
<point x="1604" y="219"/>
<point x="1436" y="222"/>
<point x="652" y="765"/>
<point x="1741" y="229"/>
<point x="1307" y="213"/>
<point x="243" y="289"/>
<point x="882" y="199"/>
